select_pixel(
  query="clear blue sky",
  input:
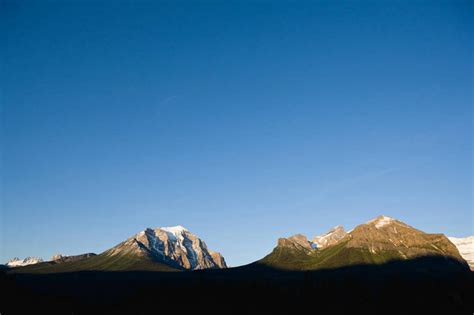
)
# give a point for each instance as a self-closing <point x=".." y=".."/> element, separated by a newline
<point x="242" y="121"/>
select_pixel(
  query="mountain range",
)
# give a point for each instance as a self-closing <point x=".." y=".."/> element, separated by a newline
<point x="380" y="266"/>
<point x="17" y="262"/>
<point x="377" y="241"/>
<point x="160" y="249"/>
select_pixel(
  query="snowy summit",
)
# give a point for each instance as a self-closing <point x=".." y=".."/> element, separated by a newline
<point x="16" y="262"/>
<point x="381" y="221"/>
<point x="174" y="245"/>
<point x="175" y="229"/>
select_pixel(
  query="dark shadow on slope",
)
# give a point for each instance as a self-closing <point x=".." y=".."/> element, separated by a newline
<point x="428" y="285"/>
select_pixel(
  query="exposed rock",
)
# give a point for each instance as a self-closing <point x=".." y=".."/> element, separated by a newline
<point x="218" y="259"/>
<point x="173" y="245"/>
<point x="296" y="242"/>
<point x="330" y="238"/>
<point x="56" y="257"/>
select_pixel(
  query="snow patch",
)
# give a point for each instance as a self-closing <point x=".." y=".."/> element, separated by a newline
<point x="178" y="243"/>
<point x="175" y="233"/>
<point x="175" y="230"/>
<point x="16" y="262"/>
<point x="465" y="247"/>
<point x="333" y="236"/>
<point x="381" y="221"/>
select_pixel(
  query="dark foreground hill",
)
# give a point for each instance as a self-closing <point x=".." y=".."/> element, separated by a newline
<point x="428" y="285"/>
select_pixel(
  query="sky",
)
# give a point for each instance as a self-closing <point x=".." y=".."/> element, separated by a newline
<point x="242" y="121"/>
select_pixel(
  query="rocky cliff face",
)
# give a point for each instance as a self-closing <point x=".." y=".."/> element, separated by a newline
<point x="330" y="238"/>
<point x="218" y="259"/>
<point x="296" y="242"/>
<point x="175" y="246"/>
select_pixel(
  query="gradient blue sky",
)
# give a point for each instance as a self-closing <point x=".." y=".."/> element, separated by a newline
<point x="242" y="121"/>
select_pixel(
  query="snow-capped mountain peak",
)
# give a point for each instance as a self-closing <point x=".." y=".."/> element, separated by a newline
<point x="174" y="245"/>
<point x="178" y="229"/>
<point x="17" y="262"/>
<point x="333" y="236"/>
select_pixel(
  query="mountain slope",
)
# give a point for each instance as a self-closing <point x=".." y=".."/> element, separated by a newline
<point x="378" y="241"/>
<point x="101" y="262"/>
<point x="387" y="234"/>
<point x="160" y="249"/>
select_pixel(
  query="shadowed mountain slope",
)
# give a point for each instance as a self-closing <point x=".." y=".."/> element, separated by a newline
<point x="378" y="241"/>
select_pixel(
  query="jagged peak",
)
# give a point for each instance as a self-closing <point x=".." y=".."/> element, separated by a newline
<point x="330" y="238"/>
<point x="174" y="230"/>
<point x="15" y="262"/>
<point x="173" y="244"/>
<point x="178" y="229"/>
